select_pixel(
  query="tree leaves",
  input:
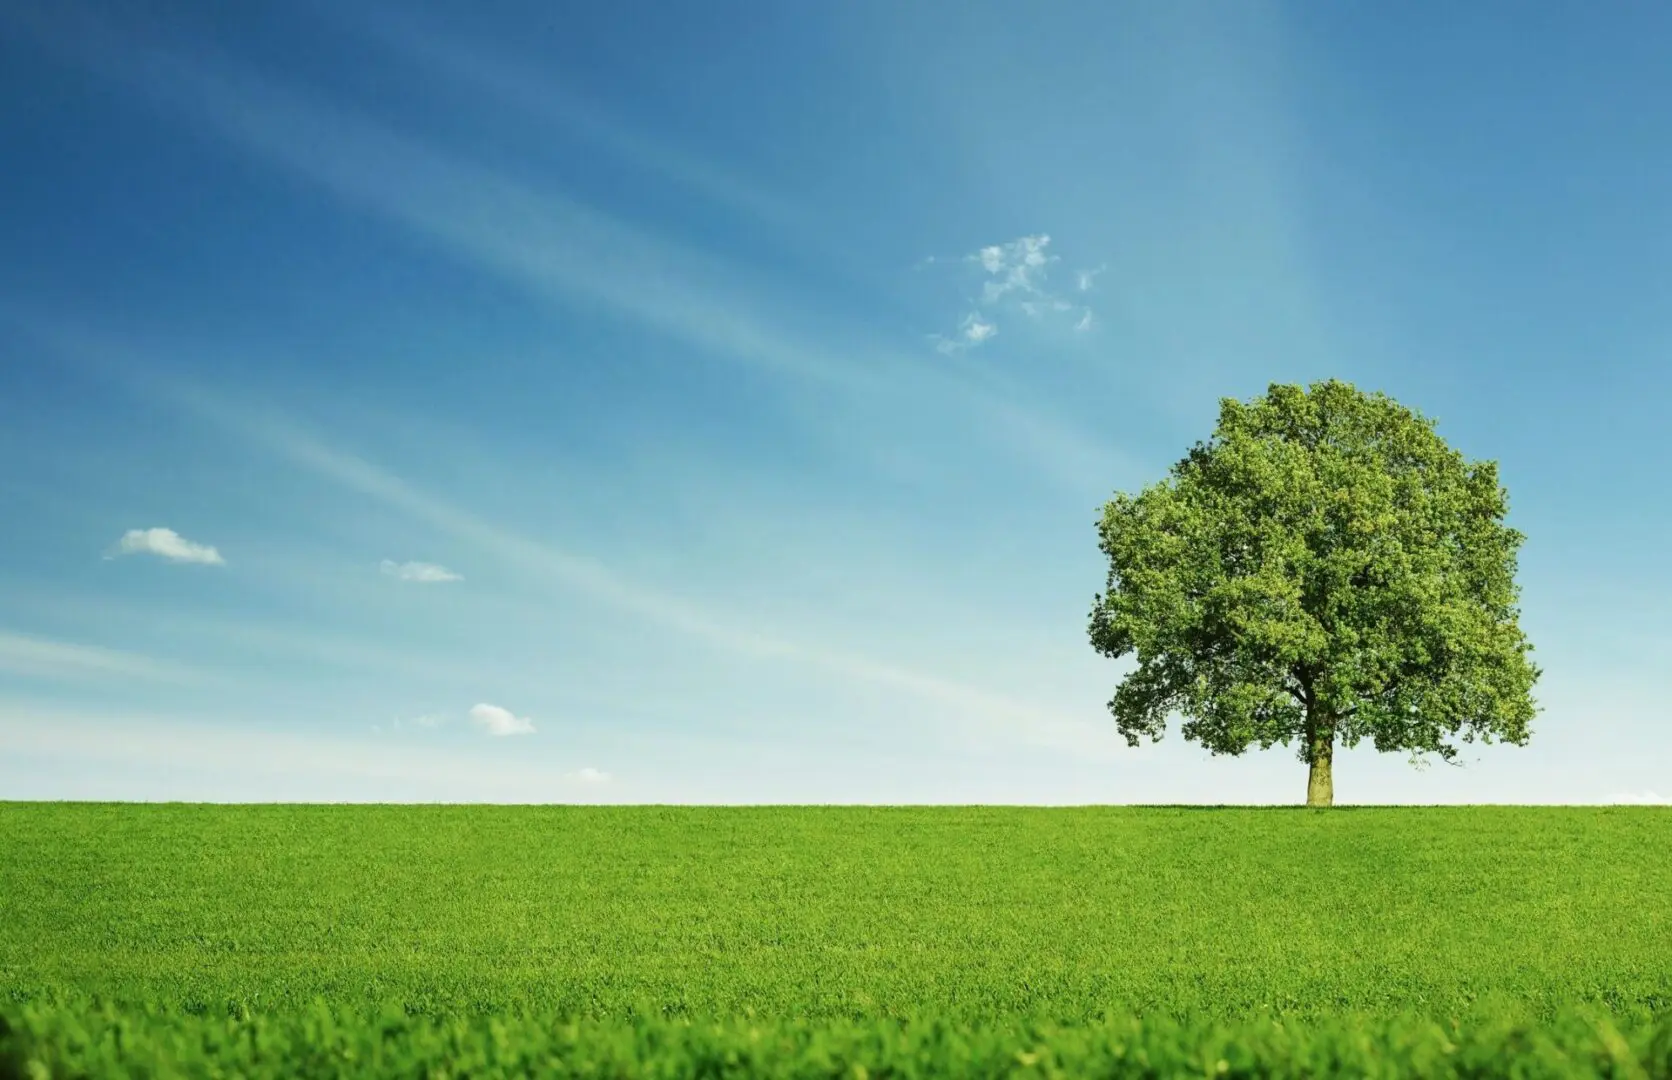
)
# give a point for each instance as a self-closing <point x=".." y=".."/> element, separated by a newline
<point x="1327" y="556"/>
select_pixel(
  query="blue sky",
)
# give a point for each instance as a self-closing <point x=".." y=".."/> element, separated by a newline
<point x="713" y="403"/>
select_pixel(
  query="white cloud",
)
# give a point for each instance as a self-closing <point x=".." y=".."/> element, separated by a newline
<point x="971" y="332"/>
<point x="497" y="721"/>
<point x="589" y="775"/>
<point x="1641" y="798"/>
<point x="168" y="544"/>
<point x="1017" y="266"/>
<point x="428" y="573"/>
<point x="976" y="329"/>
<point x="429" y="721"/>
<point x="1087" y="277"/>
<point x="1016" y="278"/>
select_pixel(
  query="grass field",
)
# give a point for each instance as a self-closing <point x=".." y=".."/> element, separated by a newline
<point x="836" y="924"/>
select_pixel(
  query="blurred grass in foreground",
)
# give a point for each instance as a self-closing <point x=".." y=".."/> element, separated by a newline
<point x="88" y="1042"/>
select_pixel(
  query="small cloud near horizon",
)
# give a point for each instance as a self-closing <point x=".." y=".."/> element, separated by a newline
<point x="589" y="775"/>
<point x="166" y="544"/>
<point x="1641" y="798"/>
<point x="422" y="572"/>
<point x="500" y="722"/>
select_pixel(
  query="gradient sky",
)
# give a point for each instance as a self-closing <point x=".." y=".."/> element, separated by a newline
<point x="714" y="402"/>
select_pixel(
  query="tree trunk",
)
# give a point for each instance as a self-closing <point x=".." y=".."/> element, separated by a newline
<point x="1320" y="780"/>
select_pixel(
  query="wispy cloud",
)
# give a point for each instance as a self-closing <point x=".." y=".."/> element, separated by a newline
<point x="167" y="544"/>
<point x="589" y="775"/>
<point x="28" y="655"/>
<point x="558" y="249"/>
<point x="427" y="722"/>
<point x="256" y="647"/>
<point x="567" y="570"/>
<point x="1641" y="798"/>
<point x="497" y="721"/>
<point x="566" y="253"/>
<point x="1015" y="278"/>
<point x="422" y="572"/>
<point x="1019" y="266"/>
<point x="538" y="95"/>
<point x="555" y="248"/>
<point x="138" y="755"/>
<point x="972" y="331"/>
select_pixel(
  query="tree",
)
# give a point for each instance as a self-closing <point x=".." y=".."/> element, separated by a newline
<point x="1325" y="568"/>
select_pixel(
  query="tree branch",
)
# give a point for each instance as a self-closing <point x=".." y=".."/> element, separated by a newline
<point x="1304" y="695"/>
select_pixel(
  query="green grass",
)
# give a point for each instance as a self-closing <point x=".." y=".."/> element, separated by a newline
<point x="320" y="1042"/>
<point x="839" y="918"/>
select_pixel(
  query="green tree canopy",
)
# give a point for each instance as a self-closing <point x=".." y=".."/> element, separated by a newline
<point x="1324" y="569"/>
